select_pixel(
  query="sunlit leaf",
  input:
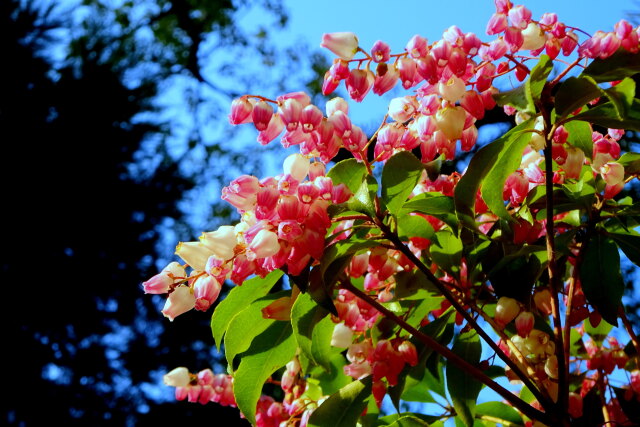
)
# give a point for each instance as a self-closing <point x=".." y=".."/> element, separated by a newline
<point x="399" y="177"/>
<point x="269" y="351"/>
<point x="312" y="330"/>
<point x="343" y="408"/>
<point x="349" y="172"/>
<point x="463" y="388"/>
<point x="239" y="298"/>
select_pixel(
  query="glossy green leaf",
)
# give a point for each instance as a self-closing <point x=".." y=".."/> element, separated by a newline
<point x="630" y="245"/>
<point x="463" y="388"/>
<point x="621" y="96"/>
<point x="337" y="256"/>
<point x="606" y="115"/>
<point x="519" y="98"/>
<point x="616" y="67"/>
<point x="269" y="351"/>
<point x="333" y="380"/>
<point x="538" y="77"/>
<point x="312" y="330"/>
<point x="446" y="251"/>
<point x="601" y="278"/>
<point x="362" y="200"/>
<point x="389" y="420"/>
<point x="409" y="283"/>
<point x="343" y="408"/>
<point x="414" y="226"/>
<point x="575" y="92"/>
<point x="479" y="166"/>
<point x="349" y="172"/>
<point x="508" y="161"/>
<point x="430" y="204"/>
<point x="580" y="136"/>
<point x="400" y="175"/>
<point x="239" y="298"/>
<point x="409" y="421"/>
<point x="246" y="325"/>
<point x="499" y="412"/>
<point x="597" y="333"/>
<point x="631" y="163"/>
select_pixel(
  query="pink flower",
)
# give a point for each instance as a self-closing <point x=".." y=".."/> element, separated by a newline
<point x="206" y="290"/>
<point x="264" y="244"/>
<point x="262" y="113"/>
<point x="524" y="323"/>
<point x="380" y="51"/>
<point x="179" y="377"/>
<point x="241" y="110"/>
<point x="344" y="44"/>
<point x="417" y="47"/>
<point x="359" y="83"/>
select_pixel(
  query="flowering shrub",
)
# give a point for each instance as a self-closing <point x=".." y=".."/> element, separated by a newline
<point x="399" y="279"/>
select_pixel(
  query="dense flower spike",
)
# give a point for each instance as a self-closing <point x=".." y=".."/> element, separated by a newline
<point x="380" y="250"/>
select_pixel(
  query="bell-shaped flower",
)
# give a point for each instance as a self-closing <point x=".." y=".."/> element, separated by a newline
<point x="180" y="301"/>
<point x="343" y="44"/>
<point x="179" y="377"/>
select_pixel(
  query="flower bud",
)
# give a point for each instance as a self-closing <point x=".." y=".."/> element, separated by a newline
<point x="343" y="44"/>
<point x="262" y="113"/>
<point x="506" y="310"/>
<point x="534" y="38"/>
<point x="265" y="244"/>
<point x="180" y="301"/>
<point x="408" y="352"/>
<point x="206" y="290"/>
<point x="524" y="323"/>
<point x="450" y="121"/>
<point x="241" y="109"/>
<point x="297" y="166"/>
<point x="179" y="377"/>
<point x="342" y="336"/>
<point x="542" y="300"/>
<point x="359" y="83"/>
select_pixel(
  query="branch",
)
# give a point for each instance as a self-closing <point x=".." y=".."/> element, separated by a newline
<point x="544" y="401"/>
<point x="518" y="403"/>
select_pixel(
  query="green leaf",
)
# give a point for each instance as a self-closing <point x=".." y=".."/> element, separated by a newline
<point x="463" y="388"/>
<point x="409" y="421"/>
<point x="500" y="412"/>
<point x="337" y="256"/>
<point x="580" y="136"/>
<point x="362" y="200"/>
<point x="599" y="333"/>
<point x="320" y="293"/>
<point x="606" y="115"/>
<point x="400" y="175"/>
<point x="630" y="245"/>
<point x="480" y="165"/>
<point x="601" y="278"/>
<point x="390" y="420"/>
<point x="446" y="251"/>
<point x="519" y="98"/>
<point x="508" y="161"/>
<point x="239" y="298"/>
<point x="312" y="330"/>
<point x="269" y="351"/>
<point x="631" y="163"/>
<point x="333" y="380"/>
<point x="430" y="204"/>
<point x="414" y="226"/>
<point x="349" y="172"/>
<point x="248" y="324"/>
<point x="343" y="408"/>
<point x="616" y="67"/>
<point x="538" y="78"/>
<point x="575" y="92"/>
<point x="621" y="95"/>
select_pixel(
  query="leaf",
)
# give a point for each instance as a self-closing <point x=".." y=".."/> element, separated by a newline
<point x="349" y="172"/>
<point x="606" y="115"/>
<point x="337" y="256"/>
<point x="500" y="412"/>
<point x="414" y="226"/>
<point x="343" y="408"/>
<point x="580" y="136"/>
<point x="362" y="200"/>
<point x="631" y="163"/>
<point x="446" y="251"/>
<point x="479" y="167"/>
<point x="319" y="292"/>
<point x="246" y="325"/>
<point x="400" y="175"/>
<point x="333" y="380"/>
<point x="463" y="388"/>
<point x="575" y="92"/>
<point x="630" y="245"/>
<point x="409" y="421"/>
<point x="390" y="420"/>
<point x="508" y="161"/>
<point x="430" y="204"/>
<point x="601" y="278"/>
<point x="538" y="78"/>
<point x="269" y="351"/>
<point x="599" y="333"/>
<point x="519" y="98"/>
<point x="239" y="298"/>
<point x="616" y="67"/>
<point x="621" y="95"/>
<point x="311" y="330"/>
